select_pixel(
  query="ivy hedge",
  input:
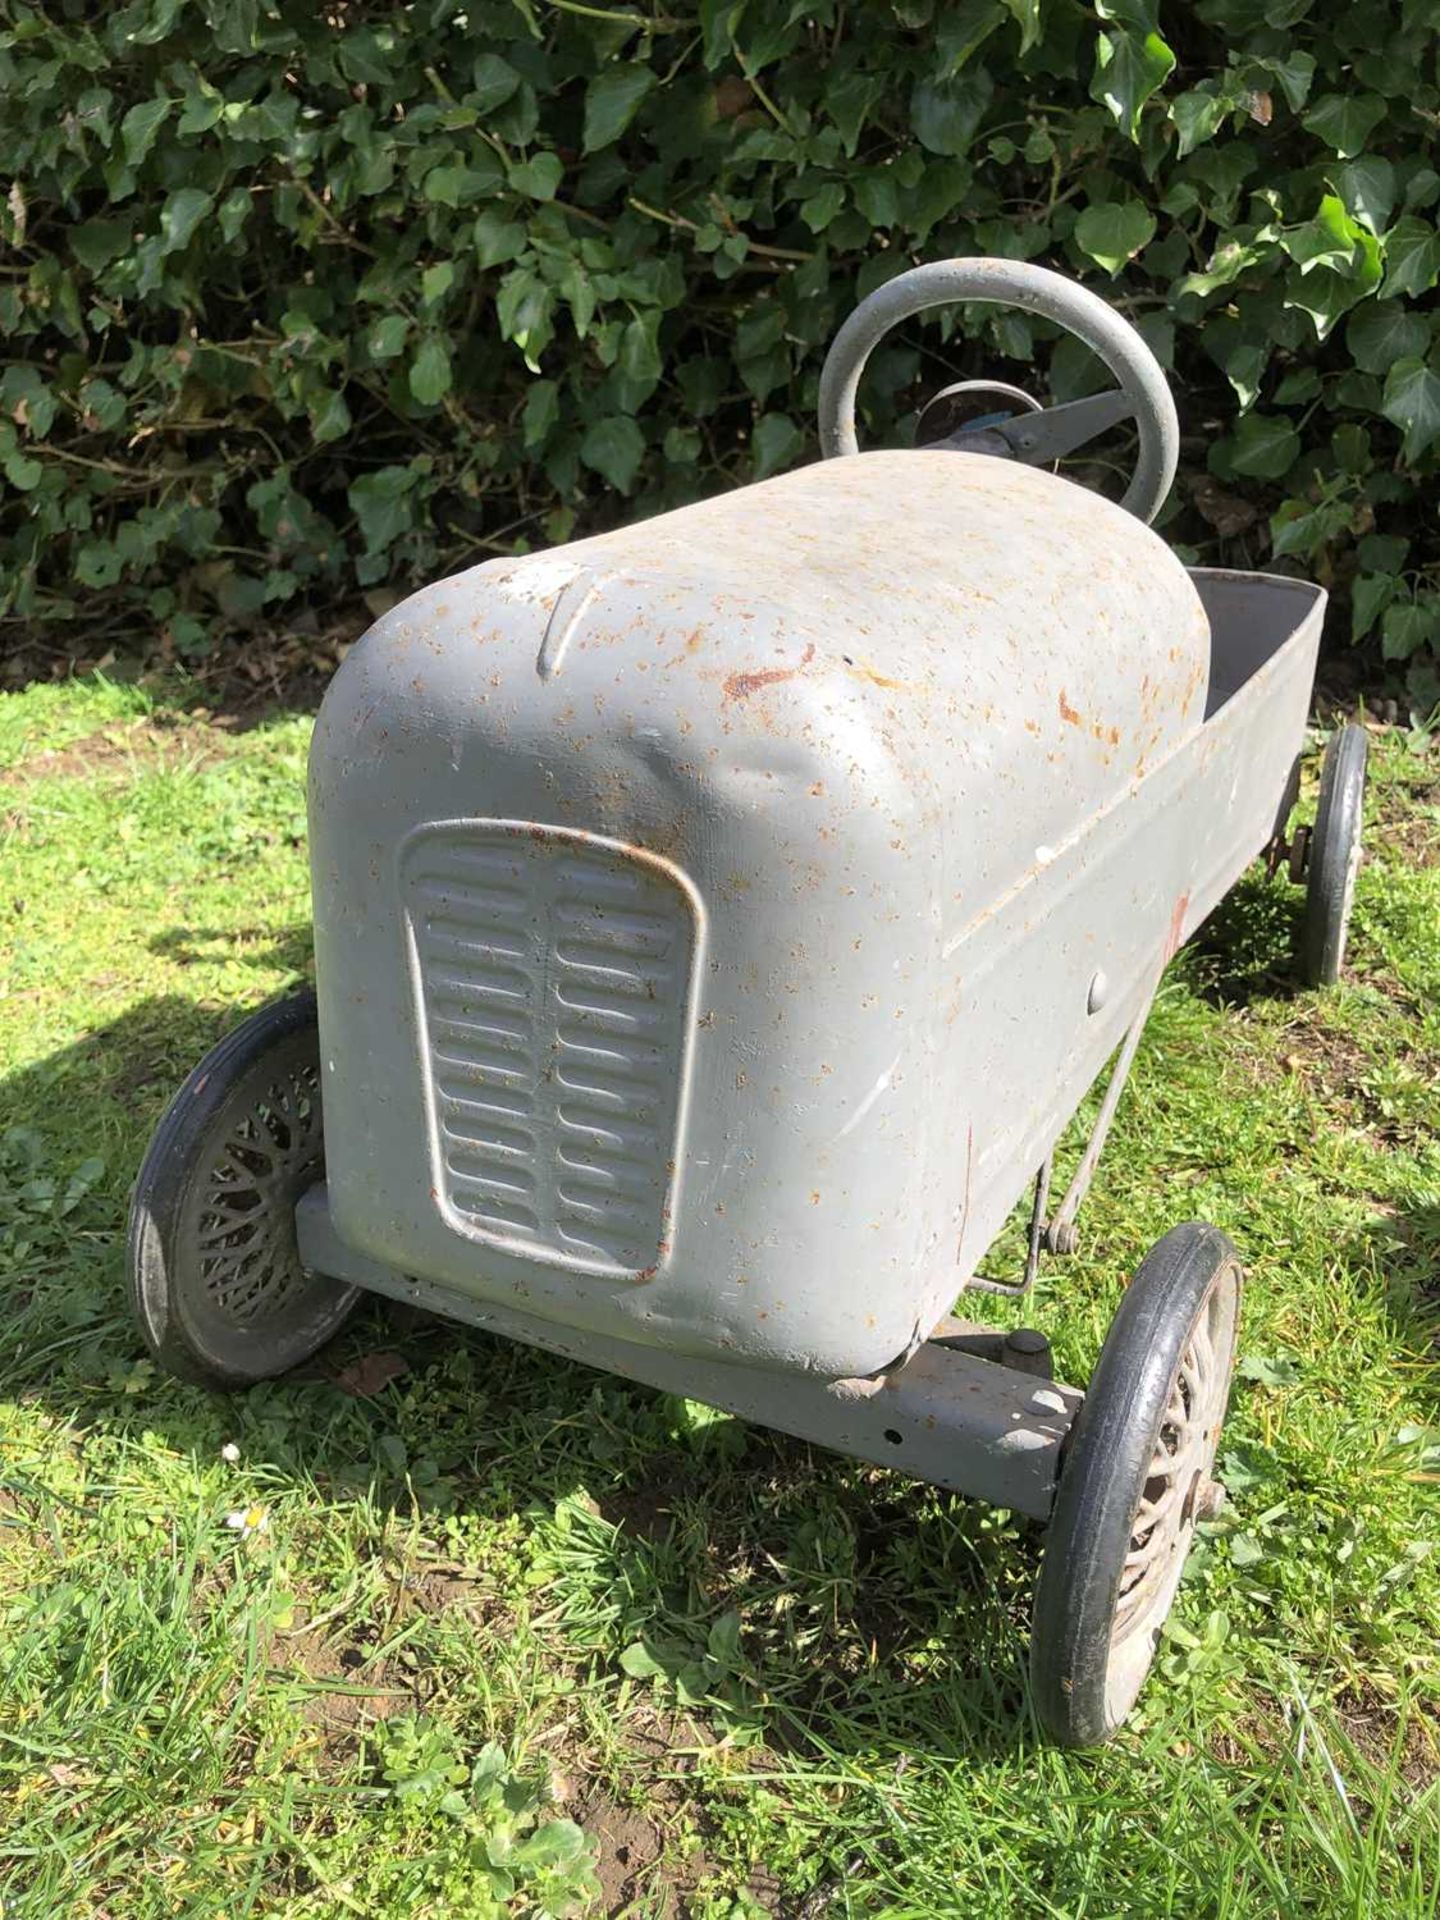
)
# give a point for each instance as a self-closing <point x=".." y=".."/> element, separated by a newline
<point x="305" y="296"/>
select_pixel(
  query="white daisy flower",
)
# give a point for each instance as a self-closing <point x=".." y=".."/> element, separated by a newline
<point x="248" y="1520"/>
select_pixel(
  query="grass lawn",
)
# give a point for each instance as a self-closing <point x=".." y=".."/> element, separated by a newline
<point x="507" y="1636"/>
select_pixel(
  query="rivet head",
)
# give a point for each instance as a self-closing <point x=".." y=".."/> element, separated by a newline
<point x="1099" y="992"/>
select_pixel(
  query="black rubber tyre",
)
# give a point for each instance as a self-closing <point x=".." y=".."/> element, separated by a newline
<point x="1334" y="859"/>
<point x="1134" y="1481"/>
<point x="216" y="1283"/>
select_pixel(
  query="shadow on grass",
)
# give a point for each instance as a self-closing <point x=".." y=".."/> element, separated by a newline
<point x="290" y="948"/>
<point x="880" y="1615"/>
<point x="1246" y="949"/>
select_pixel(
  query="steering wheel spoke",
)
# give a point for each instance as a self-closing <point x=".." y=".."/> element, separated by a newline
<point x="1056" y="431"/>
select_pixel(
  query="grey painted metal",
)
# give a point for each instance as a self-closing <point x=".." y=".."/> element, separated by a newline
<point x="714" y="979"/>
<point x="739" y="878"/>
<point x="1016" y="283"/>
<point x="1060" y="1232"/>
<point x="708" y="913"/>
<point x="948" y="1416"/>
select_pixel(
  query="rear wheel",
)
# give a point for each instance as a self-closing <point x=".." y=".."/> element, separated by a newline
<point x="1135" y="1480"/>
<point x="1333" y="858"/>
<point x="216" y="1283"/>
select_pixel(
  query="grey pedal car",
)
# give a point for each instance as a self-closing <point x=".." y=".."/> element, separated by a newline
<point x="717" y="923"/>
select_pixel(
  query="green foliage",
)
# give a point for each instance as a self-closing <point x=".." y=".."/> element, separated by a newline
<point x="305" y="298"/>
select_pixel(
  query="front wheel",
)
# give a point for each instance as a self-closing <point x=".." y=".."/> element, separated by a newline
<point x="1135" y="1480"/>
<point x="216" y="1283"/>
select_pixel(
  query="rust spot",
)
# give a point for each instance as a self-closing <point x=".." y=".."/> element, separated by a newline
<point x="1067" y="712"/>
<point x="739" y="686"/>
<point x="1177" y="925"/>
<point x="862" y="670"/>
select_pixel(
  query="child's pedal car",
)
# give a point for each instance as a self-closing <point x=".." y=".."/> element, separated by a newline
<point x="717" y="923"/>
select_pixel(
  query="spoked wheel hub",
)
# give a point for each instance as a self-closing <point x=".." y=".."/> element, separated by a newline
<point x="1136" y="1481"/>
<point x="216" y="1280"/>
<point x="1178" y="1493"/>
<point x="273" y="1150"/>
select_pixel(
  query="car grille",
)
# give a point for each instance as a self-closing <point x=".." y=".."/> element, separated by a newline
<point x="554" y="975"/>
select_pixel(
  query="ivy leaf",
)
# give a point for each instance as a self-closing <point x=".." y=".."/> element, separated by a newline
<point x="388" y="335"/>
<point x="1330" y="239"/>
<point x="614" y="448"/>
<point x="775" y="442"/>
<point x="1128" y="69"/>
<point x="1412" y="403"/>
<point x="962" y="29"/>
<point x="1382" y="332"/>
<point x="1027" y="14"/>
<point x="1294" y="72"/>
<point x="1412" y="258"/>
<point x="98" y="242"/>
<point x="1345" y="121"/>
<point x="821" y="208"/>
<point x="181" y="214"/>
<point x="1114" y="232"/>
<point x="24" y="474"/>
<point x="495" y="80"/>
<point x="139" y="128"/>
<point x="848" y="102"/>
<point x="539" y="176"/>
<point x="1410" y="626"/>
<point x="947" y="113"/>
<point x="330" y="418"/>
<point x="498" y="239"/>
<point x="430" y="371"/>
<point x="436" y="282"/>
<point x="382" y="504"/>
<point x="542" y="410"/>
<point x="1263" y="446"/>
<point x="1370" y="594"/>
<point x="612" y="100"/>
<point x="1197" y="117"/>
<point x="453" y="186"/>
<point x="1368" y="189"/>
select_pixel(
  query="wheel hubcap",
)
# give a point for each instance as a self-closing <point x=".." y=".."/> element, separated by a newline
<point x="1178" y="1493"/>
<point x="272" y="1150"/>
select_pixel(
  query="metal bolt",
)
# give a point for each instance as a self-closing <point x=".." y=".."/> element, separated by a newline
<point x="1064" y="1238"/>
<point x="1099" y="992"/>
<point x="1027" y="1340"/>
<point x="1026" y="1350"/>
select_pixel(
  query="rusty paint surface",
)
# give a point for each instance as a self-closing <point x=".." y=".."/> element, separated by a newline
<point x="928" y="739"/>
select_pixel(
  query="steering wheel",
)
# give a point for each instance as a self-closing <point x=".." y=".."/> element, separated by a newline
<point x="1035" y="437"/>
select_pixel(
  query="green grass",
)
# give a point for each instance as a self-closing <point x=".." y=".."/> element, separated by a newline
<point x="505" y="1594"/>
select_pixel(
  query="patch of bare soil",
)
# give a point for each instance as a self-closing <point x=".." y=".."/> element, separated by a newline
<point x="246" y="677"/>
<point x="1413" y="841"/>
<point x="642" y="1867"/>
<point x="114" y="750"/>
<point x="630" y="1845"/>
<point x="343" y="1693"/>
<point x="1372" y="1725"/>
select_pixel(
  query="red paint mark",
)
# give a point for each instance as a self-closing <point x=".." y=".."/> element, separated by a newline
<point x="1177" y="925"/>
<point x="1067" y="712"/>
